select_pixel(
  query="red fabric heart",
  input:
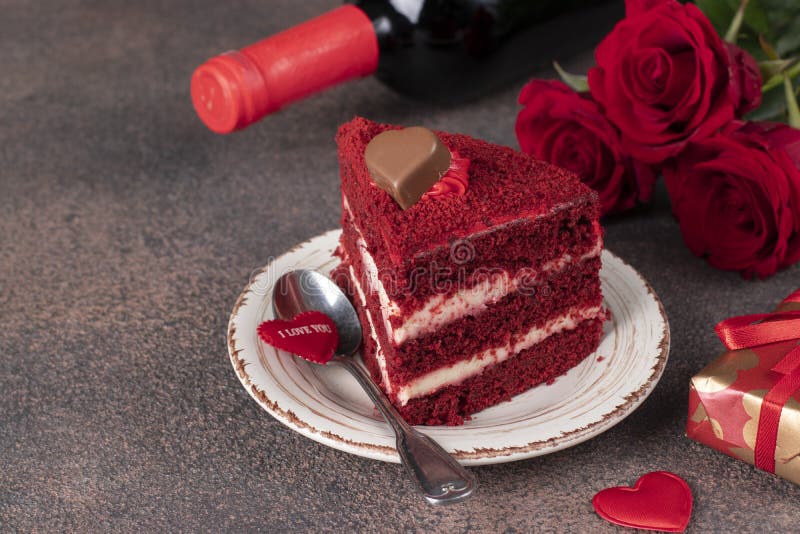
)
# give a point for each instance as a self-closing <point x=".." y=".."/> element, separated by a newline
<point x="658" y="501"/>
<point x="310" y="335"/>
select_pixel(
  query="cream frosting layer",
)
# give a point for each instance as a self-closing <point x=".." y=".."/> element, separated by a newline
<point x="462" y="370"/>
<point x="442" y="309"/>
<point x="379" y="356"/>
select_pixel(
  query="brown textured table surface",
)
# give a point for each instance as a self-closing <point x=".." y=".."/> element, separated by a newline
<point x="127" y="230"/>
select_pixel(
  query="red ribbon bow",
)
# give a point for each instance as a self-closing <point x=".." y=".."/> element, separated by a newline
<point x="748" y="331"/>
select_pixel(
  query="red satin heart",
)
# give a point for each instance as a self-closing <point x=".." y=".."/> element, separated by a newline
<point x="658" y="501"/>
<point x="310" y="335"/>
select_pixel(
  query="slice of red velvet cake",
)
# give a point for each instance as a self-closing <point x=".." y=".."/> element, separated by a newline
<point x="482" y="288"/>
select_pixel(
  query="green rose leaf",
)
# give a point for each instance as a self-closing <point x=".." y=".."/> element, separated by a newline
<point x="576" y="81"/>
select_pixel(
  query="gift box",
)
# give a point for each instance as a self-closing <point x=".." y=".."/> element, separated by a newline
<point x="746" y="403"/>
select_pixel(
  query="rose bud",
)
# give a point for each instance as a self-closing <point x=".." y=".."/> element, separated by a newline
<point x="745" y="76"/>
<point x="662" y="79"/>
<point x="736" y="196"/>
<point x="567" y="129"/>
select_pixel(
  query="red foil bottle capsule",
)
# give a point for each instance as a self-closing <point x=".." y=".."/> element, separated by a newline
<point x="235" y="89"/>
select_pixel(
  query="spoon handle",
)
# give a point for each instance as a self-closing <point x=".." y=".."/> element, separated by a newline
<point x="437" y="474"/>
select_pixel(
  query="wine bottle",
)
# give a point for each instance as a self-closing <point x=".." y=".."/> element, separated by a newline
<point x="441" y="51"/>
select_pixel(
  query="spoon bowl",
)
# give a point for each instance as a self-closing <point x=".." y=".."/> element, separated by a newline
<point x="303" y="290"/>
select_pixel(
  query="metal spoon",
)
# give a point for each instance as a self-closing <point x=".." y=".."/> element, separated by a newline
<point x="437" y="474"/>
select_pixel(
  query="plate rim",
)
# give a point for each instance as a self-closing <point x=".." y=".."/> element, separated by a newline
<point x="479" y="455"/>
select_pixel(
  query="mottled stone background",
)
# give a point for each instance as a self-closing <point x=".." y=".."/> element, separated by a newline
<point x="127" y="230"/>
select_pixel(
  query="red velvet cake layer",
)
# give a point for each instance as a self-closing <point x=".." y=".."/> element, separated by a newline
<point x="577" y="285"/>
<point x="544" y="361"/>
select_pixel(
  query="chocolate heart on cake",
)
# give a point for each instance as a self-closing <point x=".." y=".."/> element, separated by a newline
<point x="407" y="163"/>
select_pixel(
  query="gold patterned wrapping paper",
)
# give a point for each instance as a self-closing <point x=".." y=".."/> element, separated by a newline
<point x="725" y="400"/>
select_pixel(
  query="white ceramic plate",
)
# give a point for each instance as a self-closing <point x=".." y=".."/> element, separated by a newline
<point x="325" y="403"/>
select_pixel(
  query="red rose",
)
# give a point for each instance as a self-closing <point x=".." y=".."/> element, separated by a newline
<point x="745" y="76"/>
<point x="737" y="197"/>
<point x="569" y="130"/>
<point x="662" y="78"/>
